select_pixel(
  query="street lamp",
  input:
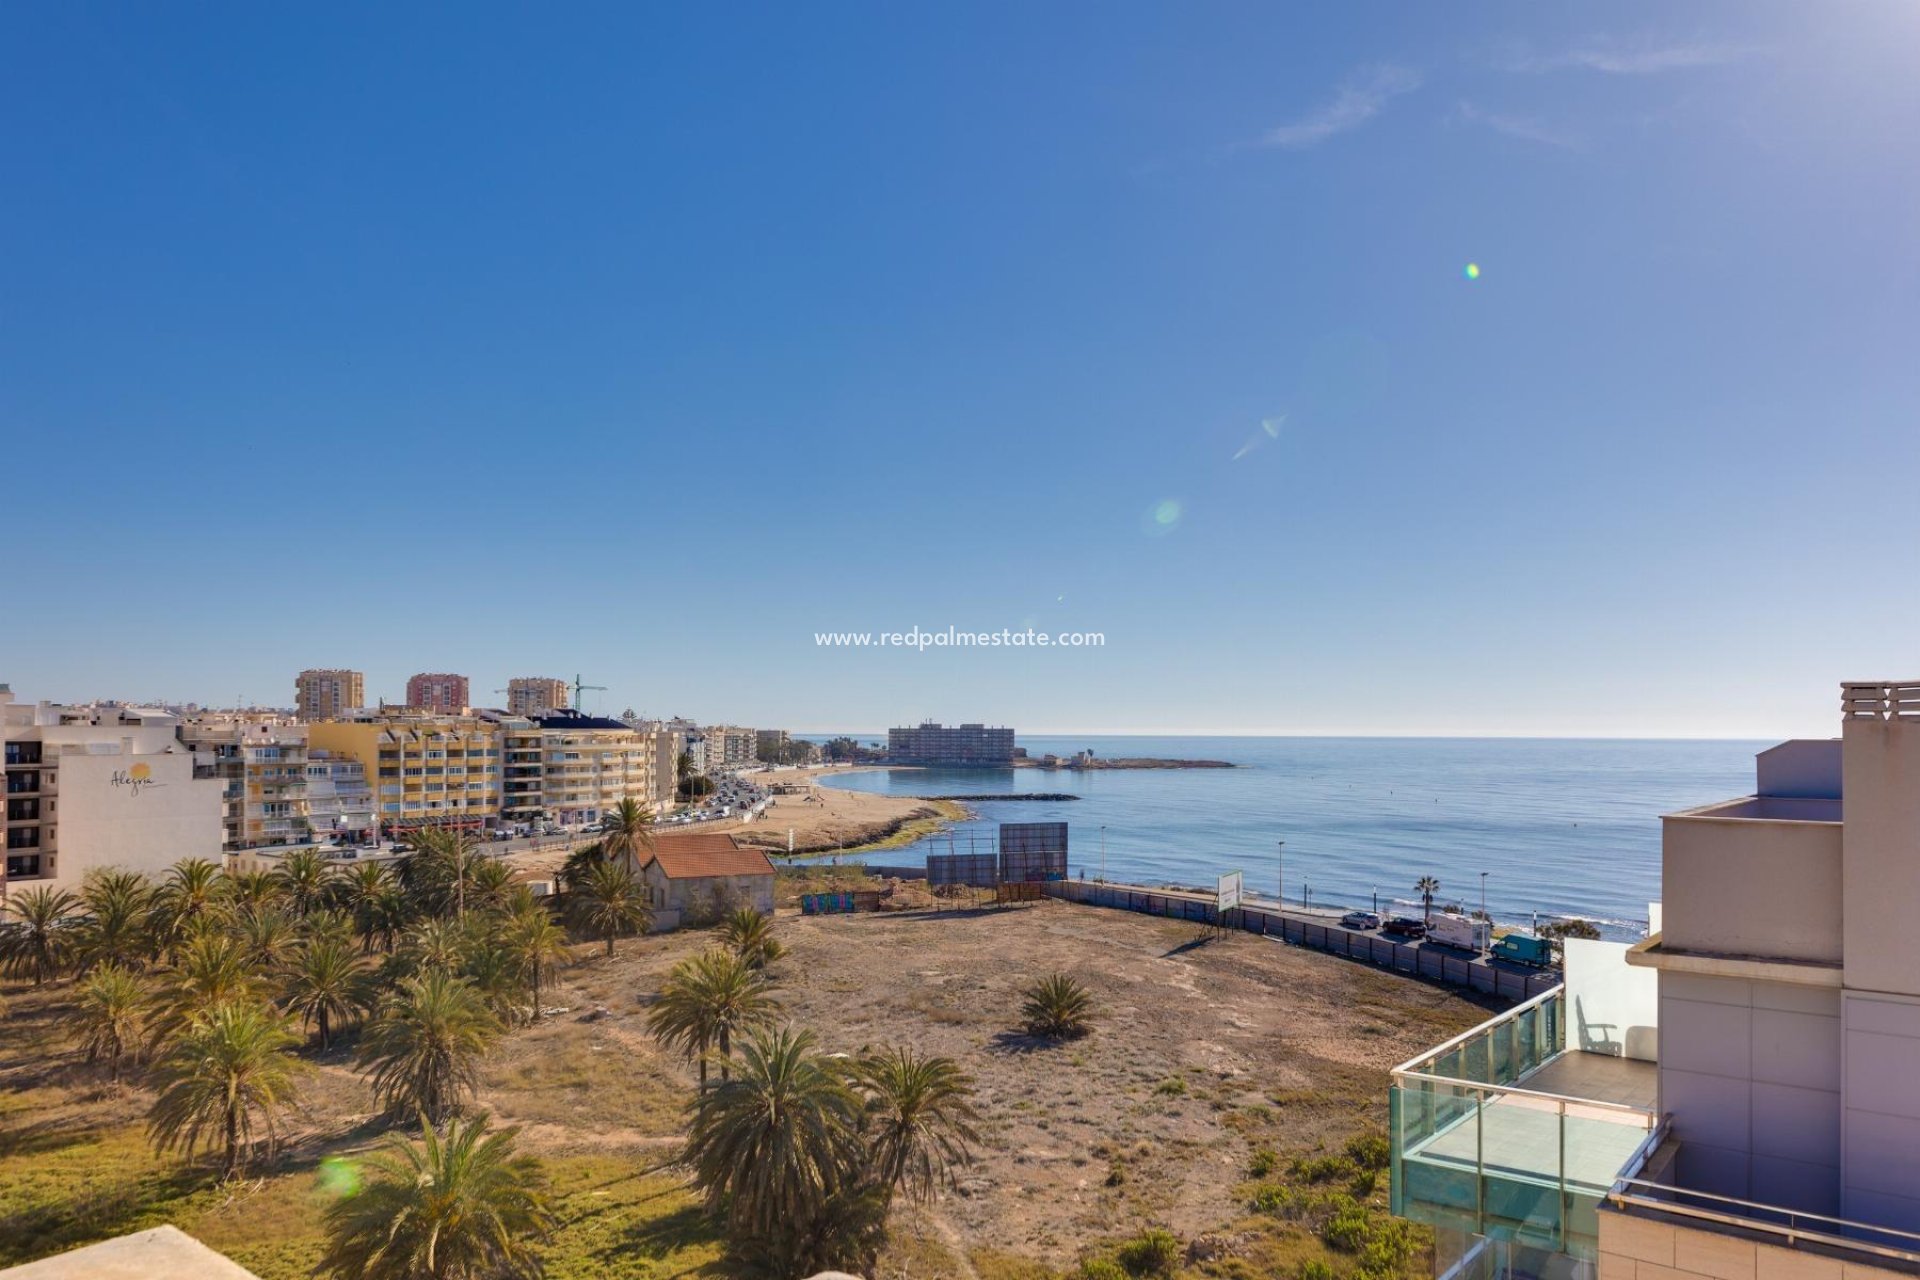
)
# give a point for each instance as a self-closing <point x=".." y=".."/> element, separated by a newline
<point x="1483" y="897"/>
<point x="1376" y="899"/>
<point x="1280" y="871"/>
<point x="1103" y="853"/>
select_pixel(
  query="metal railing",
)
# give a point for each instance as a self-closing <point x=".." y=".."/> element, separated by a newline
<point x="1793" y="1227"/>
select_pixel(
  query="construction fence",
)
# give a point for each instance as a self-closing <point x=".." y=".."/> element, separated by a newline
<point x="1434" y="963"/>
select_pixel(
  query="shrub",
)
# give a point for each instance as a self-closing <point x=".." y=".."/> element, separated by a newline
<point x="1274" y="1198"/>
<point x="1057" y="1008"/>
<point x="1262" y="1164"/>
<point x="1102" y="1269"/>
<point x="1172" y="1087"/>
<point x="1316" y="1269"/>
<point x="1154" y="1252"/>
<point x="1348" y="1230"/>
<point x="1364" y="1183"/>
<point x="1323" y="1168"/>
<point x="1116" y="1174"/>
<point x="1370" y="1151"/>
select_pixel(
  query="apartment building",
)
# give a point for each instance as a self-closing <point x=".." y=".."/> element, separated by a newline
<point x="1733" y="1097"/>
<point x="535" y="695"/>
<point x="729" y="747"/>
<point x="326" y="694"/>
<point x="96" y="787"/>
<point x="962" y="746"/>
<point x="424" y="768"/>
<point x="438" y="691"/>
<point x="277" y="789"/>
<point x="570" y="768"/>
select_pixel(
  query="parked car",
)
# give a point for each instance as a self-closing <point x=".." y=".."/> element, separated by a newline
<point x="1524" y="948"/>
<point x="1404" y="927"/>
<point x="1359" y="920"/>
<point x="1463" y="932"/>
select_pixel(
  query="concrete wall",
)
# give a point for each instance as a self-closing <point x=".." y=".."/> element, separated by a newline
<point x="1880" y="1134"/>
<point x="1802" y="768"/>
<point x="690" y="900"/>
<point x="1612" y="1007"/>
<point x="1750" y="1074"/>
<point x="1639" y="1248"/>
<point x="1730" y="886"/>
<point x="1883" y="872"/>
<point x="140" y="812"/>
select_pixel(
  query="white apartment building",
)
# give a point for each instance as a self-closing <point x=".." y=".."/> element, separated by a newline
<point x="570" y="768"/>
<point x="95" y="787"/>
<point x="1739" y="1097"/>
<point x="277" y="789"/>
<point x="729" y="747"/>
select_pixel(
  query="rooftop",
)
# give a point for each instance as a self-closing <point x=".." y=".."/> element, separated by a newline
<point x="696" y="855"/>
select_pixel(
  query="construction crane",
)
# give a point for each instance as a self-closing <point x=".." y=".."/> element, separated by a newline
<point x="579" y="688"/>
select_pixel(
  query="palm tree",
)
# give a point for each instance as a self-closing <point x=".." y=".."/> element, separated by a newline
<point x="1427" y="887"/>
<point x="1058" y="1008"/>
<point x="41" y="943"/>
<point x="775" y="1145"/>
<point x="626" y="832"/>
<point x="194" y="891"/>
<point x="213" y="968"/>
<point x="462" y="1207"/>
<point x="359" y="892"/>
<point x="920" y="1121"/>
<point x="232" y="1066"/>
<point x="497" y="976"/>
<point x="325" y="982"/>
<point x="118" y="928"/>
<point x="539" y="943"/>
<point x="705" y="1002"/>
<point x="269" y="935"/>
<point x="109" y="1015"/>
<point x="253" y="890"/>
<point x="610" y="903"/>
<point x="441" y="872"/>
<point x="749" y="935"/>
<point x="425" y="1047"/>
<point x="304" y="876"/>
<point x="436" y="944"/>
<point x="580" y="861"/>
<point x="490" y="885"/>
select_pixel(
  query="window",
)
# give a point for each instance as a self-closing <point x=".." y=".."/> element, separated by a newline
<point x="23" y="866"/>
<point x="23" y="837"/>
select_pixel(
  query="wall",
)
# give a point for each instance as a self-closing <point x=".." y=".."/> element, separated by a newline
<point x="1734" y="887"/>
<point x="1638" y="1248"/>
<point x="1612" y="1007"/>
<point x="1883" y="875"/>
<point x="112" y="817"/>
<point x="1880" y="1134"/>
<point x="1803" y="768"/>
<point x="1750" y="1074"/>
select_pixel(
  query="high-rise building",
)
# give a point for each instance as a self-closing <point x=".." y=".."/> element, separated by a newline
<point x="535" y="695"/>
<point x="278" y="790"/>
<point x="437" y="691"/>
<point x="729" y="747"/>
<point x="326" y="694"/>
<point x="97" y="787"/>
<point x="1731" y="1097"/>
<point x="565" y="767"/>
<point x="964" y="746"/>
<point x="425" y="769"/>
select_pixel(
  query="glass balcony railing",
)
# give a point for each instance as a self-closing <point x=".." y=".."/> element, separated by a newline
<point x="1478" y="1150"/>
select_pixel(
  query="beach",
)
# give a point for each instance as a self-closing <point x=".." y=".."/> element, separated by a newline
<point x="829" y="818"/>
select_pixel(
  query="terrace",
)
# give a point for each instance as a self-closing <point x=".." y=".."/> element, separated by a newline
<point x="1507" y="1132"/>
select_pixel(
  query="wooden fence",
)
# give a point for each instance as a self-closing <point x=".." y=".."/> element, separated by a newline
<point x="1434" y="963"/>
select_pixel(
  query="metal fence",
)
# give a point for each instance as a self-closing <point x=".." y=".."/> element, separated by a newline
<point x="1433" y="963"/>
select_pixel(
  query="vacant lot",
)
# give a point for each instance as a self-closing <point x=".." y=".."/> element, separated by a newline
<point x="1219" y="1070"/>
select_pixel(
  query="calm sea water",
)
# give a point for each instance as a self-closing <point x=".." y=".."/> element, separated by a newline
<point x="1562" y="827"/>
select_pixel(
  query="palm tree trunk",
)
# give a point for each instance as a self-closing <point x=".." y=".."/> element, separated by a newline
<point x="609" y="944"/>
<point x="726" y="1056"/>
<point x="233" y="1140"/>
<point x="323" y="1028"/>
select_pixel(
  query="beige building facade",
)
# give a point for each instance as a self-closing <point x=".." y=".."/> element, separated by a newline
<point x="323" y="694"/>
<point x="424" y="769"/>
<point x="568" y="768"/>
<point x="535" y="695"/>
<point x="100" y="787"/>
<point x="278" y="789"/>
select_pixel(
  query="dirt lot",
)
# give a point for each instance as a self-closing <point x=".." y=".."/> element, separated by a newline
<point x="1205" y="1051"/>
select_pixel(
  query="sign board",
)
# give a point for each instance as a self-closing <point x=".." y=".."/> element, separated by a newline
<point x="1227" y="893"/>
<point x="975" y="870"/>
<point x="1032" y="851"/>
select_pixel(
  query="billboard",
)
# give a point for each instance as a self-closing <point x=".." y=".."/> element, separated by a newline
<point x="1227" y="892"/>
<point x="976" y="870"/>
<point x="1031" y="851"/>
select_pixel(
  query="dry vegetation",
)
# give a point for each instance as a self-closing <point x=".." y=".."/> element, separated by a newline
<point x="1216" y="1099"/>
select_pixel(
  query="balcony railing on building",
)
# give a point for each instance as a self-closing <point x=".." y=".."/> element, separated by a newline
<point x="1506" y="1133"/>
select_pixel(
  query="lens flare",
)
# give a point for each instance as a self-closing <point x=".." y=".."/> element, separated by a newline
<point x="1473" y="271"/>
<point x="338" y="1177"/>
<point x="1162" y="518"/>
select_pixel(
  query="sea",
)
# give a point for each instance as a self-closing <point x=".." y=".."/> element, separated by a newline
<point x="1558" y="827"/>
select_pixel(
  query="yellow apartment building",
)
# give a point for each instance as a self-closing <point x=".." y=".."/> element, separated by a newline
<point x="424" y="769"/>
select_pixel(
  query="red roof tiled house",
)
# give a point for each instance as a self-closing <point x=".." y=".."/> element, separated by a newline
<point x="696" y="876"/>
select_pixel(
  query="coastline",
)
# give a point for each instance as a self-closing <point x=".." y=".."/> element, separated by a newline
<point x="826" y="820"/>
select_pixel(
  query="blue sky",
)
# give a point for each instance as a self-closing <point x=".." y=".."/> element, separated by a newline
<point x="647" y="342"/>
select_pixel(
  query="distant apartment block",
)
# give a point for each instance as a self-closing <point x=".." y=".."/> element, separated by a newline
<point x="535" y="695"/>
<point x="96" y="787"/>
<point x="277" y="790"/>
<point x="966" y="745"/>
<point x="567" y="767"/>
<point x="1736" y="1097"/>
<point x="324" y="695"/>
<point x="438" y="692"/>
<point x="425" y="769"/>
<point x="729" y="747"/>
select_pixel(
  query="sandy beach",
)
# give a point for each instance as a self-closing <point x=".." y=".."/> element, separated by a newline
<point x="825" y="818"/>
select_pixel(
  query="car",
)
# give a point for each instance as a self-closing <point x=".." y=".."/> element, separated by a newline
<point x="1404" y="927"/>
<point x="1359" y="920"/>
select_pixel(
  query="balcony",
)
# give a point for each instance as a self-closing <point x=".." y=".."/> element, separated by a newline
<point x="1506" y="1133"/>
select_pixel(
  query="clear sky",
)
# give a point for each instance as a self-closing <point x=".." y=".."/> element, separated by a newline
<point x="647" y="341"/>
